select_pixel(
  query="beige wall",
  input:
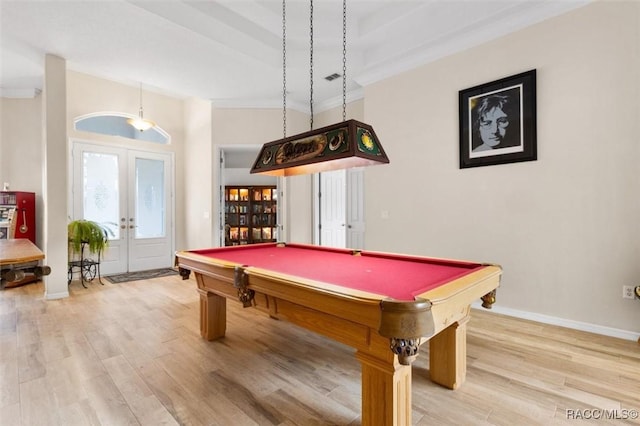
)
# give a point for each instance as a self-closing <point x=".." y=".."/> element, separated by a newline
<point x="20" y="143"/>
<point x="198" y="177"/>
<point x="355" y="110"/>
<point x="238" y="126"/>
<point x="565" y="227"/>
<point x="88" y="94"/>
<point x="54" y="185"/>
<point x="21" y="148"/>
<point x="302" y="205"/>
<point x="196" y="128"/>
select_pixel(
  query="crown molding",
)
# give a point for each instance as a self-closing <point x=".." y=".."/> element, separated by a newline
<point x="19" y="93"/>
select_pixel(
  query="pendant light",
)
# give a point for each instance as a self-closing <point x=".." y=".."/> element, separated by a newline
<point x="140" y="123"/>
<point x="343" y="145"/>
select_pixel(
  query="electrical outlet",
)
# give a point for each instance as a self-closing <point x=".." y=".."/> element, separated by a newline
<point x="627" y="292"/>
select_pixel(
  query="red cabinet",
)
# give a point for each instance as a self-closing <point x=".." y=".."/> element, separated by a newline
<point x="18" y="215"/>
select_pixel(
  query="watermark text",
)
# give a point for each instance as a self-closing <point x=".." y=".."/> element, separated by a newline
<point x="600" y="414"/>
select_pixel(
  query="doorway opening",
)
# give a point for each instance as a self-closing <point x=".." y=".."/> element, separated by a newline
<point x="250" y="205"/>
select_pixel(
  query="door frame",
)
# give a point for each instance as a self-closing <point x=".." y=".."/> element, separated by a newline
<point x="171" y="204"/>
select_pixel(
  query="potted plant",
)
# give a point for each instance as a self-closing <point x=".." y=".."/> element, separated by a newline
<point x="91" y="234"/>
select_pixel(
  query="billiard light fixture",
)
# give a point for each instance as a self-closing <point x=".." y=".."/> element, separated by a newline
<point x="140" y="123"/>
<point x="338" y="146"/>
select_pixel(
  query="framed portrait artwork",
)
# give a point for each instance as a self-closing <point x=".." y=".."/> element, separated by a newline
<point x="498" y="121"/>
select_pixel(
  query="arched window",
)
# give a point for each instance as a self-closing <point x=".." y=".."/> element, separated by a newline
<point x="115" y="124"/>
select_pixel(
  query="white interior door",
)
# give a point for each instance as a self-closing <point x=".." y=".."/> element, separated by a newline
<point x="333" y="214"/>
<point x="130" y="193"/>
<point x="342" y="208"/>
<point x="355" y="208"/>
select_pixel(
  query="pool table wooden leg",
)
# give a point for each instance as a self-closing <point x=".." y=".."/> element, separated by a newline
<point x="213" y="315"/>
<point x="448" y="355"/>
<point x="386" y="392"/>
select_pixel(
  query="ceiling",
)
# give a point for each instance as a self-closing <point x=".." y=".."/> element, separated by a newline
<point x="230" y="51"/>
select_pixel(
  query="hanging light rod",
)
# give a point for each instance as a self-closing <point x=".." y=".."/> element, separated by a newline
<point x="339" y="146"/>
<point x="140" y="123"/>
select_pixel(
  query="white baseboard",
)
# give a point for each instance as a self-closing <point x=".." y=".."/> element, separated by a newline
<point x="563" y="322"/>
<point x="53" y="296"/>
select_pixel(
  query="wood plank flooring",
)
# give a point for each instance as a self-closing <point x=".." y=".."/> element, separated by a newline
<point x="131" y="354"/>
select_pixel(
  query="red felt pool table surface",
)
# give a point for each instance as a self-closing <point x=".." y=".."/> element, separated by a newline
<point x="399" y="277"/>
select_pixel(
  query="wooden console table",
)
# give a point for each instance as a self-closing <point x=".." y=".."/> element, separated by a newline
<point x="19" y="259"/>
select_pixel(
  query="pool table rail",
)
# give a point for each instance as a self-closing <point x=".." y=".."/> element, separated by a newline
<point x="406" y="324"/>
<point x="310" y="304"/>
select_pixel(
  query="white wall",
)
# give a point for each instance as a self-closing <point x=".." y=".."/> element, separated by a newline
<point x="239" y="176"/>
<point x="564" y="227"/>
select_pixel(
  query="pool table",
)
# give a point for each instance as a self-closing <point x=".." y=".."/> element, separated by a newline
<point x="384" y="305"/>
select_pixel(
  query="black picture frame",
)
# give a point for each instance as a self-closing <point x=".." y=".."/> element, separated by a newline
<point x="498" y="121"/>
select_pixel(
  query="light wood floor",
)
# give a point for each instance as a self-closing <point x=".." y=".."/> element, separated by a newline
<point x="129" y="354"/>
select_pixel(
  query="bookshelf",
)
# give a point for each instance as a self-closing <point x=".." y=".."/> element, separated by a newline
<point x="250" y="214"/>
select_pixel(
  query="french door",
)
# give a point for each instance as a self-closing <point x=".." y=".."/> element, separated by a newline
<point x="129" y="192"/>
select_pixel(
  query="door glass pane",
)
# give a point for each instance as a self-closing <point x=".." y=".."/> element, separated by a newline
<point x="101" y="194"/>
<point x="150" y="202"/>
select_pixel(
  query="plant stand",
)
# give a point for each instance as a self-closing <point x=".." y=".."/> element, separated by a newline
<point x="88" y="268"/>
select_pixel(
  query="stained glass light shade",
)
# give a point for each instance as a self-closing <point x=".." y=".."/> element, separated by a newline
<point x="339" y="146"/>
